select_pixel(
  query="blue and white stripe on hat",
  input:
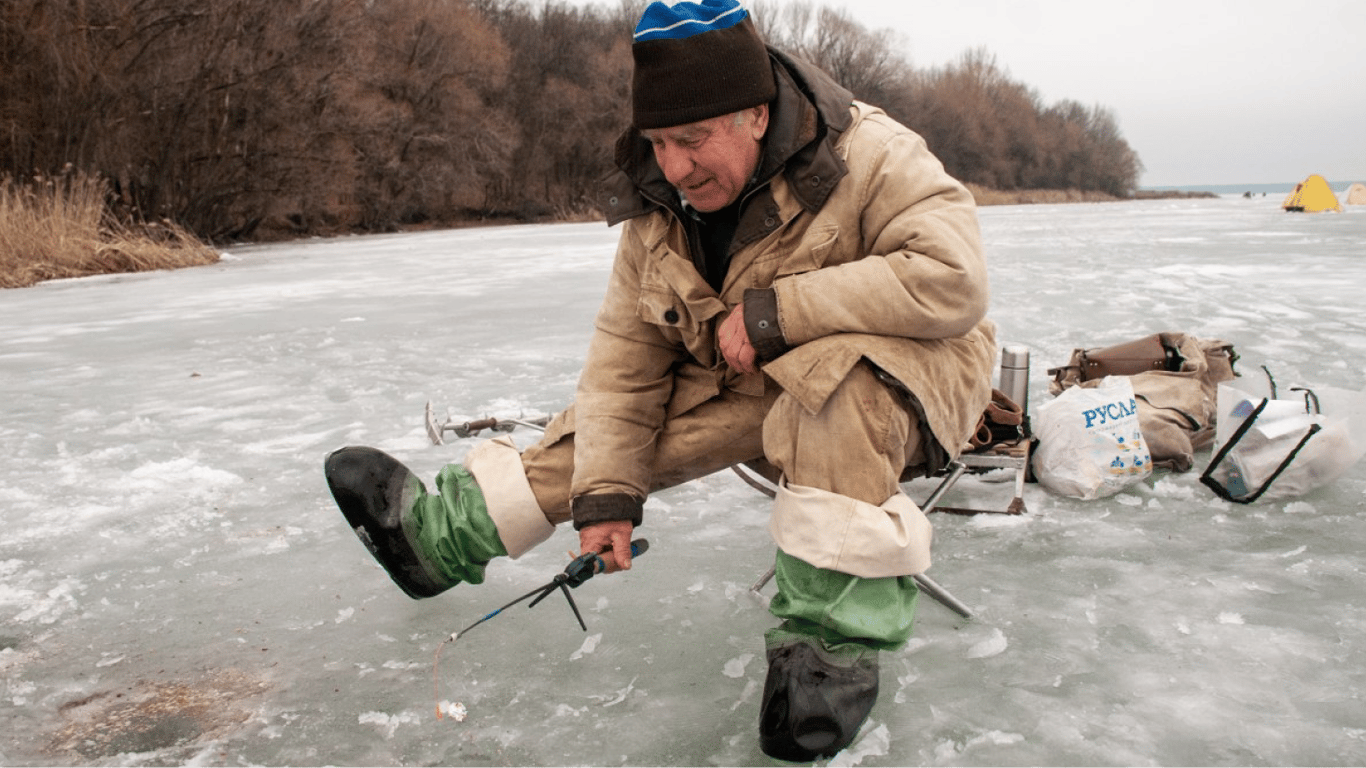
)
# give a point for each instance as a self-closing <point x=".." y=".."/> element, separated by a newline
<point x="677" y="19"/>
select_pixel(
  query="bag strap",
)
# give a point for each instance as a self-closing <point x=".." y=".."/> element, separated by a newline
<point x="1310" y="398"/>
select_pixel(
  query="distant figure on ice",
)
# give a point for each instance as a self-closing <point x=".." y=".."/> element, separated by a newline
<point x="800" y="287"/>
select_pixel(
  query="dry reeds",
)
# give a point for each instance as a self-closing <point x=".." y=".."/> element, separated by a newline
<point x="987" y="196"/>
<point x="59" y="226"/>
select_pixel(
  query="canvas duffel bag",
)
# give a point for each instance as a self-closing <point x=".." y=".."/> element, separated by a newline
<point x="1175" y="377"/>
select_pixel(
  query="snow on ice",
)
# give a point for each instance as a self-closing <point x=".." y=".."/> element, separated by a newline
<point x="176" y="585"/>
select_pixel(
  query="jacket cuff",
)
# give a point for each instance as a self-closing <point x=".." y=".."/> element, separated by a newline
<point x="606" y="508"/>
<point x="761" y="323"/>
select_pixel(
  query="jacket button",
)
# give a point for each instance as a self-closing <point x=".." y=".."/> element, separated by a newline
<point x="671" y="316"/>
<point x="770" y="222"/>
<point x="815" y="181"/>
<point x="612" y="201"/>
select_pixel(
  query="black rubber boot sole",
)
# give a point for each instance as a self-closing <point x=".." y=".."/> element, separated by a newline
<point x="370" y="487"/>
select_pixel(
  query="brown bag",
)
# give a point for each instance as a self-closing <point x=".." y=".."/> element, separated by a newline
<point x="1150" y="353"/>
<point x="1175" y="378"/>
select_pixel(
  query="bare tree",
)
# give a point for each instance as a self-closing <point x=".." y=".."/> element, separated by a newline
<point x="423" y="135"/>
<point x="569" y="95"/>
<point x="240" y="118"/>
<point x="869" y="63"/>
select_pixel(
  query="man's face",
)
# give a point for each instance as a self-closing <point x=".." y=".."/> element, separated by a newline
<point x="711" y="161"/>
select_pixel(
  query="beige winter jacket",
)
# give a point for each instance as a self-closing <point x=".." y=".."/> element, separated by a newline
<point x="870" y="249"/>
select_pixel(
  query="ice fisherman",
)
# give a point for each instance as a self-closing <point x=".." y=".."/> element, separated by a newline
<point x="800" y="287"/>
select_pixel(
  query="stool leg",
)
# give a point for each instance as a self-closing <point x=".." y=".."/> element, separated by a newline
<point x="924" y="582"/>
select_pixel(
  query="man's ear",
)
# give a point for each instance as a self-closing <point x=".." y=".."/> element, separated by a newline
<point x="759" y="125"/>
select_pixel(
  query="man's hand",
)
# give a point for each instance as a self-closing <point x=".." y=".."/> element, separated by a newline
<point x="614" y="536"/>
<point x="734" y="341"/>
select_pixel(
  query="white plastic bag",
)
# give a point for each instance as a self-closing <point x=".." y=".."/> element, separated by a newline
<point x="1090" y="441"/>
<point x="1282" y="448"/>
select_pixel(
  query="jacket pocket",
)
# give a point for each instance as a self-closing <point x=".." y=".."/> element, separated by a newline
<point x="823" y="250"/>
<point x="680" y="322"/>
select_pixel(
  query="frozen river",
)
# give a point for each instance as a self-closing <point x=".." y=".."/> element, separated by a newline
<point x="176" y="585"/>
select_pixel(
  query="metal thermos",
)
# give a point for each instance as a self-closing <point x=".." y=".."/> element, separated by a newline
<point x="1015" y="374"/>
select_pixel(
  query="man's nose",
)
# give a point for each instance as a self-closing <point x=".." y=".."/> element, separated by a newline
<point x="676" y="163"/>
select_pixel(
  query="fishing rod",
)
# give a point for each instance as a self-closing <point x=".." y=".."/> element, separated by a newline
<point x="579" y="570"/>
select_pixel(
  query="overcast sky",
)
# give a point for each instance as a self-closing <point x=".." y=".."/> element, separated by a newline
<point x="1206" y="91"/>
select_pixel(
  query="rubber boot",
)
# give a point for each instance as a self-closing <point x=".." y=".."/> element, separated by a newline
<point x="427" y="542"/>
<point x="815" y="696"/>
<point x="822" y="660"/>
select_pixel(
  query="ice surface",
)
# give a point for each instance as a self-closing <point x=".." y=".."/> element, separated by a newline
<point x="176" y="585"/>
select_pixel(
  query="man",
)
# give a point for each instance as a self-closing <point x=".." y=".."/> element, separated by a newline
<point x="798" y="286"/>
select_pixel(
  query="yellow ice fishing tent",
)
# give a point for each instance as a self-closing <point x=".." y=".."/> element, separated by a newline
<point x="1312" y="194"/>
<point x="1355" y="195"/>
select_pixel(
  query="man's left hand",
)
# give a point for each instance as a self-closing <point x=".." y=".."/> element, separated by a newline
<point x="734" y="340"/>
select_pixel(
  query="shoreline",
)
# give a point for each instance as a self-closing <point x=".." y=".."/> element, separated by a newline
<point x="194" y="252"/>
<point x="986" y="196"/>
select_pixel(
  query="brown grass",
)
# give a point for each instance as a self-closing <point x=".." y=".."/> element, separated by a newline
<point x="986" y="196"/>
<point x="58" y="226"/>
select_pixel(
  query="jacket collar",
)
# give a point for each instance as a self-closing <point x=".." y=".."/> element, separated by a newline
<point x="806" y="118"/>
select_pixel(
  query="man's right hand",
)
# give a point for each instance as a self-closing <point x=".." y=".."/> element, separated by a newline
<point x="611" y="540"/>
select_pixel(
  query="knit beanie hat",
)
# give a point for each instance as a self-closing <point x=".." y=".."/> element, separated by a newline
<point x="697" y="59"/>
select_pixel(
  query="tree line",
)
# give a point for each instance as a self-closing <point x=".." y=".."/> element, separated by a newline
<point x="251" y="119"/>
